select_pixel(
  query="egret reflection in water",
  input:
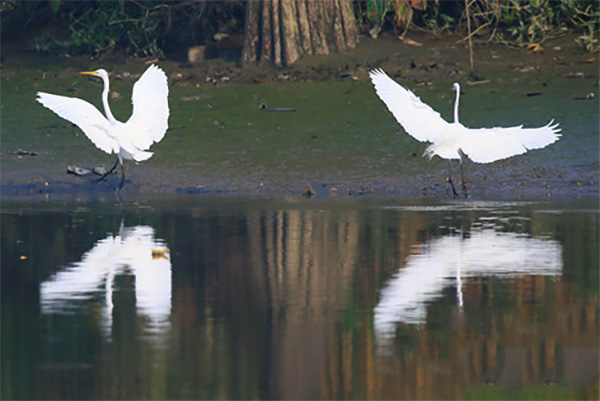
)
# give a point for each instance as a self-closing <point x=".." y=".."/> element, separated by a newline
<point x="444" y="261"/>
<point x="133" y="251"/>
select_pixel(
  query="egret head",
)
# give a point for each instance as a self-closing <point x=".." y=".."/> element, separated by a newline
<point x="456" y="87"/>
<point x="98" y="73"/>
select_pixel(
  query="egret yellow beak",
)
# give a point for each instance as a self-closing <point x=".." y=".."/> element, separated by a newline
<point x="88" y="73"/>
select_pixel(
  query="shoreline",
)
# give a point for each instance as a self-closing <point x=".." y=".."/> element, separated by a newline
<point x="437" y="60"/>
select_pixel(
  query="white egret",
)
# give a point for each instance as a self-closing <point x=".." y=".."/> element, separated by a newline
<point x="449" y="140"/>
<point x="130" y="140"/>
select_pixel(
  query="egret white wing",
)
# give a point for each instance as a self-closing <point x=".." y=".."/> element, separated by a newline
<point x="418" y="119"/>
<point x="149" y="121"/>
<point x="87" y="117"/>
<point x="485" y="145"/>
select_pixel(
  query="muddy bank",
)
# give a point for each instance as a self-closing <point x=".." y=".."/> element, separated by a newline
<point x="420" y="58"/>
<point x="341" y="142"/>
<point x="509" y="183"/>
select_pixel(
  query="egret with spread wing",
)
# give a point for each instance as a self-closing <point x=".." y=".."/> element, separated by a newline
<point x="449" y="140"/>
<point x="130" y="140"/>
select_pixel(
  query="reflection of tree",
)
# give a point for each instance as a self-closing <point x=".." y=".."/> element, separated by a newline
<point x="307" y="258"/>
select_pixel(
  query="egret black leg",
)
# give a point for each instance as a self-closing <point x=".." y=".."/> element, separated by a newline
<point x="462" y="177"/>
<point x="454" y="193"/>
<point x="109" y="171"/>
<point x="122" y="178"/>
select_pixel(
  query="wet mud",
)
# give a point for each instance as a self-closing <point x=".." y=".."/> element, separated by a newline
<point x="325" y="148"/>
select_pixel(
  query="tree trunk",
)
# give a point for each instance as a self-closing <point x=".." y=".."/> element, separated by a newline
<point x="281" y="31"/>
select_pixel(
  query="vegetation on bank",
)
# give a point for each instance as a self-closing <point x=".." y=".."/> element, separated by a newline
<point x="154" y="28"/>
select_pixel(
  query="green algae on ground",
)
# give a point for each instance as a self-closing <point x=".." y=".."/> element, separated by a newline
<point x="341" y="136"/>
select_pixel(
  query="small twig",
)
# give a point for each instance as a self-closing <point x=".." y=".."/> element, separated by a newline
<point x="160" y="6"/>
<point x="137" y="4"/>
<point x="469" y="29"/>
<point x="124" y="20"/>
<point x="493" y="34"/>
<point x="473" y="33"/>
<point x="408" y="24"/>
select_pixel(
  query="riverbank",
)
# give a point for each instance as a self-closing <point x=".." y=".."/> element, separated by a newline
<point x="340" y="142"/>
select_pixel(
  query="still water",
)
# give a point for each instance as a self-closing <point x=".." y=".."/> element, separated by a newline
<point x="201" y="298"/>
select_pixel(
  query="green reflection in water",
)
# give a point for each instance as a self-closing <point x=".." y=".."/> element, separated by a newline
<point x="283" y="299"/>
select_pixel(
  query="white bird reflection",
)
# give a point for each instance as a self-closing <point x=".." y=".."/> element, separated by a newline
<point x="445" y="261"/>
<point x="133" y="251"/>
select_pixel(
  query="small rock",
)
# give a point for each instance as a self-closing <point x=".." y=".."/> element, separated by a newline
<point x="589" y="96"/>
<point x="202" y="96"/>
<point x="220" y="36"/>
<point x="22" y="152"/>
<point x="527" y="68"/>
<point x="80" y="171"/>
<point x="100" y="170"/>
<point x="115" y="96"/>
<point x="196" y="54"/>
<point x="309" y="191"/>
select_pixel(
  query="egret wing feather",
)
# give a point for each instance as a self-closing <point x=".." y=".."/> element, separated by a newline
<point x="87" y="117"/>
<point x="417" y="118"/>
<point x="149" y="121"/>
<point x="486" y="145"/>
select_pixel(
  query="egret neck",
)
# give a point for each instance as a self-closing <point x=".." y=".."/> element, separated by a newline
<point x="104" y="75"/>
<point x="456" y="87"/>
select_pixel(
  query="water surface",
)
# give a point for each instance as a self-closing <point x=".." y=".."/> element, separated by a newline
<point x="202" y="298"/>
